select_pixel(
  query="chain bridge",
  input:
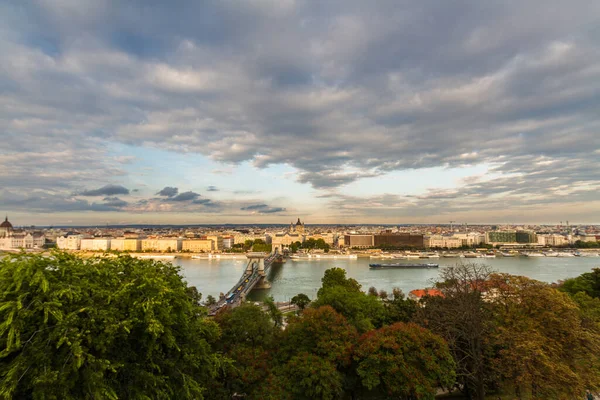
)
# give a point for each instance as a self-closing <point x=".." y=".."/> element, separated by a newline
<point x="253" y="277"/>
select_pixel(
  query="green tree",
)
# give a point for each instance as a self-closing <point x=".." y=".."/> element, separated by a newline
<point x="248" y="336"/>
<point x="404" y="361"/>
<point x="588" y="283"/>
<point x="399" y="308"/>
<point x="274" y="312"/>
<point x="114" y="327"/>
<point x="210" y="301"/>
<point x="337" y="277"/>
<point x="300" y="300"/>
<point x="545" y="350"/>
<point x="322" y="332"/>
<point x="344" y="295"/>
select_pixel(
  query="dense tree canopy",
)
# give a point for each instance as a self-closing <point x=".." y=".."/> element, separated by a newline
<point x="117" y="327"/>
<point x="404" y="361"/>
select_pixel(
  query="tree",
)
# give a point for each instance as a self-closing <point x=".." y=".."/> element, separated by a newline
<point x="372" y="291"/>
<point x="337" y="277"/>
<point x="274" y="312"/>
<point x="322" y="332"/>
<point x="588" y="283"/>
<point x="464" y="320"/>
<point x="248" y="336"/>
<point x="210" y="301"/>
<point x="300" y="300"/>
<point x="399" y="308"/>
<point x="404" y="361"/>
<point x="115" y="327"/>
<point x="545" y="350"/>
<point x="308" y="377"/>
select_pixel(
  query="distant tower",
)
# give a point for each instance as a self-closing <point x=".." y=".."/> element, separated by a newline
<point x="6" y="228"/>
<point x="299" y="227"/>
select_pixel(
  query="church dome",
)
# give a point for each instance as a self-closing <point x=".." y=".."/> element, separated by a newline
<point x="298" y="223"/>
<point x="6" y="224"/>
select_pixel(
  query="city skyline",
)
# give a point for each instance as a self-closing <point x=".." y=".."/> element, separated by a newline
<point x="265" y="111"/>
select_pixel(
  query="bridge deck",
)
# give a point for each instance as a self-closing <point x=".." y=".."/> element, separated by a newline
<point x="236" y="295"/>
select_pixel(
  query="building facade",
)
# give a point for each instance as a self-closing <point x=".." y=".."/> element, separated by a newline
<point x="95" y="244"/>
<point x="198" y="245"/>
<point x="398" y="240"/>
<point x="161" y="245"/>
<point x="359" y="241"/>
<point x="69" y="242"/>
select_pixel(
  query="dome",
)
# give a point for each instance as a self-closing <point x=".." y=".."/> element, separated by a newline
<point x="6" y="224"/>
<point x="298" y="223"/>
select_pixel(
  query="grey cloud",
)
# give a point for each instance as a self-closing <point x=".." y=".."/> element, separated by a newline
<point x="212" y="189"/>
<point x="168" y="191"/>
<point x="263" y="209"/>
<point x="41" y="201"/>
<point x="255" y="207"/>
<point x="108" y="190"/>
<point x="185" y="196"/>
<point x="338" y="90"/>
<point x="114" y="202"/>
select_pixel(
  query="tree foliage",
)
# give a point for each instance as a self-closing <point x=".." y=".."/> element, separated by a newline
<point x="115" y="327"/>
<point x="545" y="350"/>
<point x="300" y="300"/>
<point x="404" y="361"/>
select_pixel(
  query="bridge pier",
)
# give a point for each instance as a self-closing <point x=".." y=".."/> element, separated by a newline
<point x="263" y="283"/>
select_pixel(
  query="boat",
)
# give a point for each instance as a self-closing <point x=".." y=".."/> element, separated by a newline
<point x="402" y="265"/>
<point x="157" y="256"/>
<point x="533" y="255"/>
<point x="505" y="254"/>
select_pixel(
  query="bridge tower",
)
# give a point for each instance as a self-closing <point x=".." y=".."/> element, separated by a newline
<point x="257" y="260"/>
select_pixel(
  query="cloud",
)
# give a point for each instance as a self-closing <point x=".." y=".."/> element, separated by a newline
<point x="255" y="207"/>
<point x="107" y="190"/>
<point x="185" y="196"/>
<point x="262" y="209"/>
<point x="114" y="202"/>
<point x="339" y="92"/>
<point x="212" y="189"/>
<point x="168" y="191"/>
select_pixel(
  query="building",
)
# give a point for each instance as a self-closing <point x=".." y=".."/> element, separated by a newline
<point x="398" y="240"/>
<point x="126" y="244"/>
<point x="282" y="240"/>
<point x="218" y="241"/>
<point x="526" y="237"/>
<point x="162" y="245"/>
<point x="470" y="239"/>
<point x="359" y="241"/>
<point x="439" y="241"/>
<point x="327" y="237"/>
<point x="11" y="239"/>
<point x="418" y="294"/>
<point x="494" y="237"/>
<point x="298" y="228"/>
<point x="198" y="245"/>
<point x="228" y="242"/>
<point x="95" y="244"/>
<point x="69" y="242"/>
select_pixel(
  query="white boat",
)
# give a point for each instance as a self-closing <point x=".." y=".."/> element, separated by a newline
<point x="565" y="254"/>
<point x="551" y="254"/>
<point x="533" y="255"/>
<point x="505" y="254"/>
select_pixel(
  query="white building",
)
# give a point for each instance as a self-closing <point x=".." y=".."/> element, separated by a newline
<point x="11" y="239"/>
<point x="95" y="244"/>
<point x="69" y="242"/>
<point x="438" y="241"/>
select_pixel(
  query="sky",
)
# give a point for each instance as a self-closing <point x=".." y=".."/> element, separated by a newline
<point x="263" y="111"/>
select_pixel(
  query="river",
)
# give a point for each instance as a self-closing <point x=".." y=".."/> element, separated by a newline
<point x="213" y="276"/>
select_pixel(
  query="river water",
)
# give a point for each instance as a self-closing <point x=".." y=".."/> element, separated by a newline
<point x="213" y="276"/>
